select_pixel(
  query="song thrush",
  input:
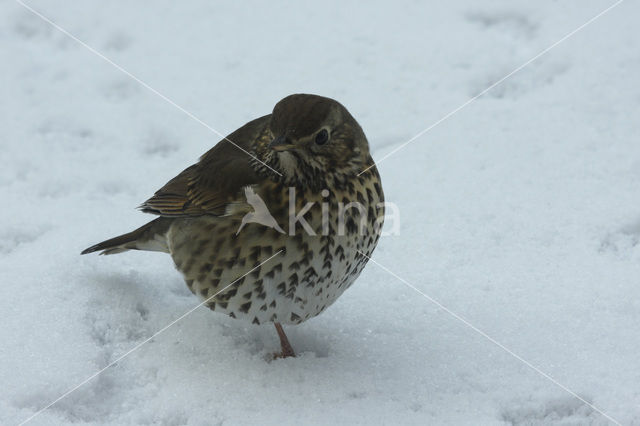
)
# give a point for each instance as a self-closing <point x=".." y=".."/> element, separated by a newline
<point x="304" y="164"/>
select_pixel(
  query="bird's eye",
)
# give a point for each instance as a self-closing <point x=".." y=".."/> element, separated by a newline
<point x="322" y="137"/>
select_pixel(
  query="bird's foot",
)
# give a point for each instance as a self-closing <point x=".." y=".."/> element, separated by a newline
<point x="287" y="350"/>
<point x="285" y="353"/>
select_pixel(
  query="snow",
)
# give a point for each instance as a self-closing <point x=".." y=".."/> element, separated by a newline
<point x="519" y="213"/>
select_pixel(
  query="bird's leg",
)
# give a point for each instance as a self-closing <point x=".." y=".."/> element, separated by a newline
<point x="287" y="350"/>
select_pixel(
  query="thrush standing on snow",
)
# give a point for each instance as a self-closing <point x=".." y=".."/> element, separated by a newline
<point x="305" y="162"/>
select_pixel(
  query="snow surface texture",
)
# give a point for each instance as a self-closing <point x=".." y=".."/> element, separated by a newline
<point x="521" y="212"/>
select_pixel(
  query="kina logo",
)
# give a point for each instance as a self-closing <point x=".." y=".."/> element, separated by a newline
<point x="260" y="213"/>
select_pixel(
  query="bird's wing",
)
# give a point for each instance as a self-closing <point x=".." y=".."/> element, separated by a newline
<point x="215" y="181"/>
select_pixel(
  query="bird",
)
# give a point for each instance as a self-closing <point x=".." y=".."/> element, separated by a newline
<point x="308" y="163"/>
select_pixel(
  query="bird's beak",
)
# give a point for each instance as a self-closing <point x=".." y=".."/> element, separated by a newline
<point x="281" y="143"/>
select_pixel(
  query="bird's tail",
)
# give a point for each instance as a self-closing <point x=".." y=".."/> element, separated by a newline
<point x="151" y="237"/>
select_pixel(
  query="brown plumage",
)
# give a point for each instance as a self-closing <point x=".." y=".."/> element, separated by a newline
<point x="310" y="150"/>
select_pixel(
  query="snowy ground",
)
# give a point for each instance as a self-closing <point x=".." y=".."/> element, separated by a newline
<point x="520" y="213"/>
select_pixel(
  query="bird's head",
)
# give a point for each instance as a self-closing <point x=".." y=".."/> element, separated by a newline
<point x="315" y="139"/>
